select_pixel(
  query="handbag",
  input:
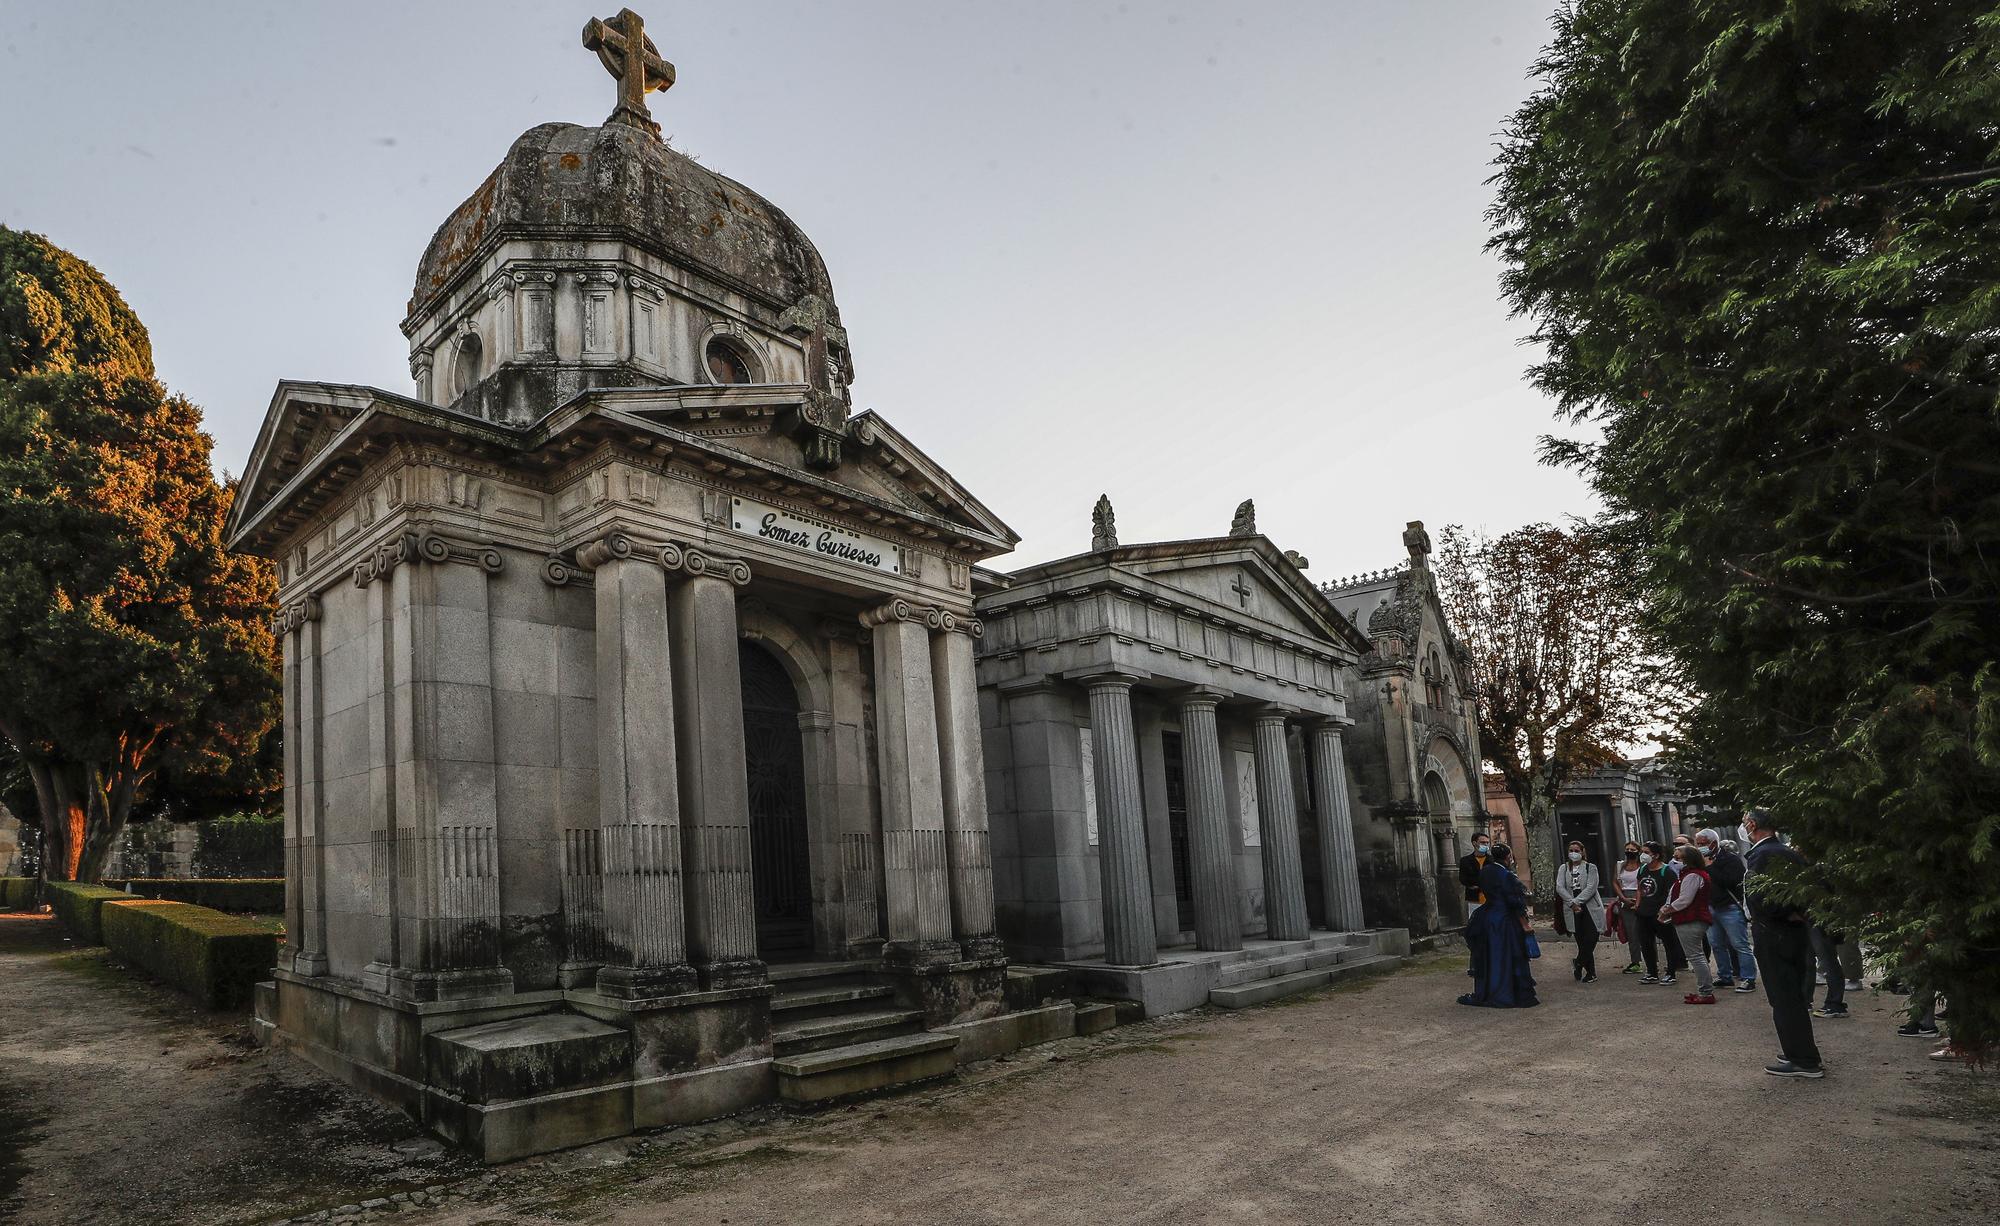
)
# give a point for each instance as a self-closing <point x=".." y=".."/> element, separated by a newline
<point x="1534" y="946"/>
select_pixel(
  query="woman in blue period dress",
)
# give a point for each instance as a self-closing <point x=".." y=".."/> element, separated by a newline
<point x="1498" y="938"/>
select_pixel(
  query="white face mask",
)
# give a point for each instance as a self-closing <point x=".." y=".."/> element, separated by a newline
<point x="1645" y="858"/>
<point x="1576" y="857"/>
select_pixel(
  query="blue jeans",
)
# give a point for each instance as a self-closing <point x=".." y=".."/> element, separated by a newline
<point x="1730" y="941"/>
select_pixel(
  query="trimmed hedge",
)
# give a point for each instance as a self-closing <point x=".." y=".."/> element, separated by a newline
<point x="78" y="906"/>
<point x="215" y="958"/>
<point x="264" y="895"/>
<point x="17" y="893"/>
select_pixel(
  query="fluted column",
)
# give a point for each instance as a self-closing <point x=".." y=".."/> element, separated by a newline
<point x="1284" y="875"/>
<point x="1216" y="924"/>
<point x="915" y="863"/>
<point x="645" y="946"/>
<point x="1121" y="825"/>
<point x="1339" y="874"/>
<point x="714" y="780"/>
<point x="962" y="766"/>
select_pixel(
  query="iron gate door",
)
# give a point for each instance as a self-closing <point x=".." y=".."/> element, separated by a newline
<point x="775" y="759"/>
<point x="1177" y="831"/>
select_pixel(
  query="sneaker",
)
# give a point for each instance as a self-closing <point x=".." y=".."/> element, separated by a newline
<point x="1590" y="977"/>
<point x="1696" y="998"/>
<point x="1917" y="1030"/>
<point x="1947" y="1052"/>
<point x="1831" y="1015"/>
<point x="1650" y="979"/>
<point x="1852" y="985"/>
<point x="1785" y="1068"/>
<point x="1819" y="980"/>
<point x="1667" y="978"/>
<point x="1725" y="983"/>
<point x="1746" y="985"/>
<point x="1632" y="969"/>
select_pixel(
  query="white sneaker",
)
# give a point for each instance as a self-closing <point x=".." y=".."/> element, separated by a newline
<point x="1819" y="980"/>
<point x="1853" y="985"/>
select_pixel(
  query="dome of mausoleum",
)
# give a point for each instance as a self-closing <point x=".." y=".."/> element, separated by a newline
<point x="563" y="182"/>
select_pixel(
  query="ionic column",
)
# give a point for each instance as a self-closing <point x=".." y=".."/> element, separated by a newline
<point x="1121" y="825"/>
<point x="916" y="872"/>
<point x="1216" y="924"/>
<point x="1339" y="873"/>
<point x="714" y="781"/>
<point x="962" y="765"/>
<point x="1284" y="875"/>
<point x="437" y="838"/>
<point x="638" y="806"/>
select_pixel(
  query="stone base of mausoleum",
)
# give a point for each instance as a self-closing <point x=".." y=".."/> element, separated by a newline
<point x="523" y="1073"/>
<point x="1231" y="979"/>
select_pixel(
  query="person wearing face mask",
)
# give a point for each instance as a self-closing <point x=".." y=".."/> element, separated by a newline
<point x="1654" y="882"/>
<point x="1470" y="866"/>
<point x="1627" y="885"/>
<point x="1687" y="912"/>
<point x="1576" y="886"/>
<point x="1728" y="935"/>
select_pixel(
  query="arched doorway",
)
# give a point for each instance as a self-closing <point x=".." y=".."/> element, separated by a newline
<point x="775" y="758"/>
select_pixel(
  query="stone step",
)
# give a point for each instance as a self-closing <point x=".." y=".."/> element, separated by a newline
<point x="842" y="1029"/>
<point x="1256" y="992"/>
<point x="793" y="974"/>
<point x="815" y="1077"/>
<point x="1272" y="968"/>
<point x="806" y="1002"/>
<point x="1253" y="953"/>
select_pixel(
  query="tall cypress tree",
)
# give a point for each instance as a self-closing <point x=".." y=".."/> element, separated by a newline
<point x="1760" y="240"/>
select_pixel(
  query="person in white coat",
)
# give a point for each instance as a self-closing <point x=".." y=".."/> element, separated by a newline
<point x="1577" y="887"/>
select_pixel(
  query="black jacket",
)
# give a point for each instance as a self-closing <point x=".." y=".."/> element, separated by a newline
<point x="1468" y="875"/>
<point x="1725" y="878"/>
<point x="1764" y="909"/>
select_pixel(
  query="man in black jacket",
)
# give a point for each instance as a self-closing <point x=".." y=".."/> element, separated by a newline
<point x="1728" y="932"/>
<point x="1468" y="872"/>
<point x="1784" y="951"/>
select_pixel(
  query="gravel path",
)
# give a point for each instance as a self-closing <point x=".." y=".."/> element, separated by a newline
<point x="1381" y="1102"/>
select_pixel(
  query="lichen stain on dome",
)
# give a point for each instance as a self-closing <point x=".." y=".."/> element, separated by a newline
<point x="461" y="236"/>
<point x="563" y="181"/>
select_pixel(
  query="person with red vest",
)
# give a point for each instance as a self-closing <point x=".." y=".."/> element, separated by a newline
<point x="1688" y="911"/>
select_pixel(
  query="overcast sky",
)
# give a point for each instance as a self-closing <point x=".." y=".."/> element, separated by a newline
<point x="1184" y="254"/>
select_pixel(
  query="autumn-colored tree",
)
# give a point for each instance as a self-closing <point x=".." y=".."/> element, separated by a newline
<point x="1560" y="675"/>
<point x="131" y="642"/>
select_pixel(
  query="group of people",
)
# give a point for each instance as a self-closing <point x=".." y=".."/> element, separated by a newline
<point x="1675" y="908"/>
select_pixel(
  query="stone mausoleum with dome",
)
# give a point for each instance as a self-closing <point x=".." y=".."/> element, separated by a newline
<point x="633" y="763"/>
<point x="640" y="721"/>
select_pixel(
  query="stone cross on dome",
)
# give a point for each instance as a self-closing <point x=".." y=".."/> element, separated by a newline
<point x="621" y="44"/>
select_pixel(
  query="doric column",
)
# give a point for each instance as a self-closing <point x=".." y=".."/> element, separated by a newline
<point x="639" y="832"/>
<point x="962" y="766"/>
<point x="1284" y="876"/>
<point x="714" y="782"/>
<point x="914" y="856"/>
<point x="305" y="782"/>
<point x="1216" y="923"/>
<point x="1121" y="825"/>
<point x="1339" y="873"/>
